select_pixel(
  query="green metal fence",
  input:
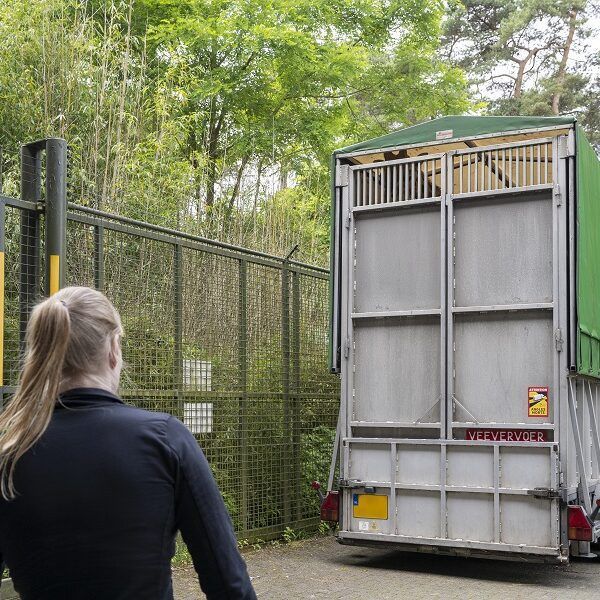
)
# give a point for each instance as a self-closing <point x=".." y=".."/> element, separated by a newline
<point x="233" y="342"/>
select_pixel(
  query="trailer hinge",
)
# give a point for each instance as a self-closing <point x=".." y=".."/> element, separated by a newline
<point x="348" y="219"/>
<point x="346" y="349"/>
<point x="548" y="493"/>
<point x="566" y="146"/>
<point x="558" y="195"/>
<point x="341" y="176"/>
<point x="558" y="340"/>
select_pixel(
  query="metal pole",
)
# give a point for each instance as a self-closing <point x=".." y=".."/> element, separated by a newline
<point x="296" y="409"/>
<point x="99" y="257"/>
<point x="31" y="177"/>
<point x="243" y="386"/>
<point x="2" y="242"/>
<point x="285" y="384"/>
<point x="178" y="328"/>
<point x="56" y="213"/>
<point x="2" y="248"/>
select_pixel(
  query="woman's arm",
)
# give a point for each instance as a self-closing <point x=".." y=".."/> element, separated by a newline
<point x="204" y="522"/>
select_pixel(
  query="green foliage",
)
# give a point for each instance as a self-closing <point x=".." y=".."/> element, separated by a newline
<point x="218" y="116"/>
<point x="528" y="57"/>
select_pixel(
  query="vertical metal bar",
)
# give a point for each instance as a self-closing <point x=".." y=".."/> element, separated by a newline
<point x="572" y="262"/>
<point x="29" y="276"/>
<point x="406" y="181"/>
<point x="469" y="158"/>
<point x="392" y="516"/>
<point x="510" y="168"/>
<point x="496" y="169"/>
<point x="419" y="180"/>
<point x="99" y="257"/>
<point x="395" y="182"/>
<point x="377" y="191"/>
<point x="370" y="176"/>
<point x="503" y="167"/>
<point x="496" y="493"/>
<point x="489" y="166"/>
<point x="426" y="163"/>
<point x="448" y="365"/>
<point x="447" y="187"/>
<point x="243" y="386"/>
<point x="517" y="174"/>
<point x="335" y="453"/>
<point x="531" y="171"/>
<point x="2" y="250"/>
<point x="443" y="493"/>
<point x="546" y="163"/>
<point x="56" y="213"/>
<point x="412" y="181"/>
<point x="388" y="186"/>
<point x="538" y="151"/>
<point x="295" y="387"/>
<point x="285" y="386"/>
<point x="347" y="398"/>
<point x="560" y="404"/>
<point x="460" y="174"/>
<point x="178" y="328"/>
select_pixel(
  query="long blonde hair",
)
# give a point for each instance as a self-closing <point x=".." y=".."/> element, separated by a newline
<point x="66" y="336"/>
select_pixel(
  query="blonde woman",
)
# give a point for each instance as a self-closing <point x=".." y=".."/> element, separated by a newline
<point x="94" y="491"/>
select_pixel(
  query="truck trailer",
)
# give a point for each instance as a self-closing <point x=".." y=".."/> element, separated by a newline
<point x="465" y="326"/>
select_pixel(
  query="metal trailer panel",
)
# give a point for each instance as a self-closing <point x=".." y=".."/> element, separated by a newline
<point x="411" y="363"/>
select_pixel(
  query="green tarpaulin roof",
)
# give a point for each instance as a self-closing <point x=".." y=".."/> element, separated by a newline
<point x="460" y="126"/>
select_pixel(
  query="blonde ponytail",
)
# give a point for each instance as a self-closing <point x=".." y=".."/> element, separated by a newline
<point x="65" y="335"/>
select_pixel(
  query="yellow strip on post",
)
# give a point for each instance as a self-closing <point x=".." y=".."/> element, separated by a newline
<point x="1" y="319"/>
<point x="54" y="273"/>
<point x="369" y="506"/>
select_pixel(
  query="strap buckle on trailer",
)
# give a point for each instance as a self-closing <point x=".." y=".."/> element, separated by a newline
<point x="548" y="493"/>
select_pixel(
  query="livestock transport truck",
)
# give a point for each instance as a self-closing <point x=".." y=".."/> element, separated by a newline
<point x="466" y="329"/>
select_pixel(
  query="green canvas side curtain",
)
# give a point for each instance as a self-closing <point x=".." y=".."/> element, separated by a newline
<point x="588" y="257"/>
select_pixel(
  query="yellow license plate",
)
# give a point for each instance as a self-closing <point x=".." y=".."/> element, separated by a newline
<point x="370" y="506"/>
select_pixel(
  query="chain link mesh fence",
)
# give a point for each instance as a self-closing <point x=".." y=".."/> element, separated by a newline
<point x="232" y="342"/>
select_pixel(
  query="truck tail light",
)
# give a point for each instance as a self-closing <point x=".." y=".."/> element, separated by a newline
<point x="580" y="527"/>
<point x="330" y="507"/>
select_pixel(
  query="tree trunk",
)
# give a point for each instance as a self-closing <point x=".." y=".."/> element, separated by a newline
<point x="562" y="67"/>
<point x="238" y="180"/>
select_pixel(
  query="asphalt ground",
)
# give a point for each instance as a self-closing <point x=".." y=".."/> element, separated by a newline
<point x="322" y="568"/>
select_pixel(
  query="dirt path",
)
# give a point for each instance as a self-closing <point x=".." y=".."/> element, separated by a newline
<point x="321" y="568"/>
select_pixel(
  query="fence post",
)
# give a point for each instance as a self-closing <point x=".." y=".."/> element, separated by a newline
<point x="285" y="384"/>
<point x="178" y="329"/>
<point x="296" y="402"/>
<point x="56" y="213"/>
<point x="2" y="249"/>
<point x="243" y="386"/>
<point x="29" y="277"/>
<point x="99" y="257"/>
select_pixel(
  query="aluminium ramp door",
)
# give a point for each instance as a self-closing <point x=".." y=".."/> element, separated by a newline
<point x="451" y="283"/>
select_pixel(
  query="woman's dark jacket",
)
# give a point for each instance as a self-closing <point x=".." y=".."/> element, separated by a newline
<point x="100" y="498"/>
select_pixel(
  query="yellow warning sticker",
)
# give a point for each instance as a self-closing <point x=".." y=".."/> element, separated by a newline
<point x="538" y="402"/>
